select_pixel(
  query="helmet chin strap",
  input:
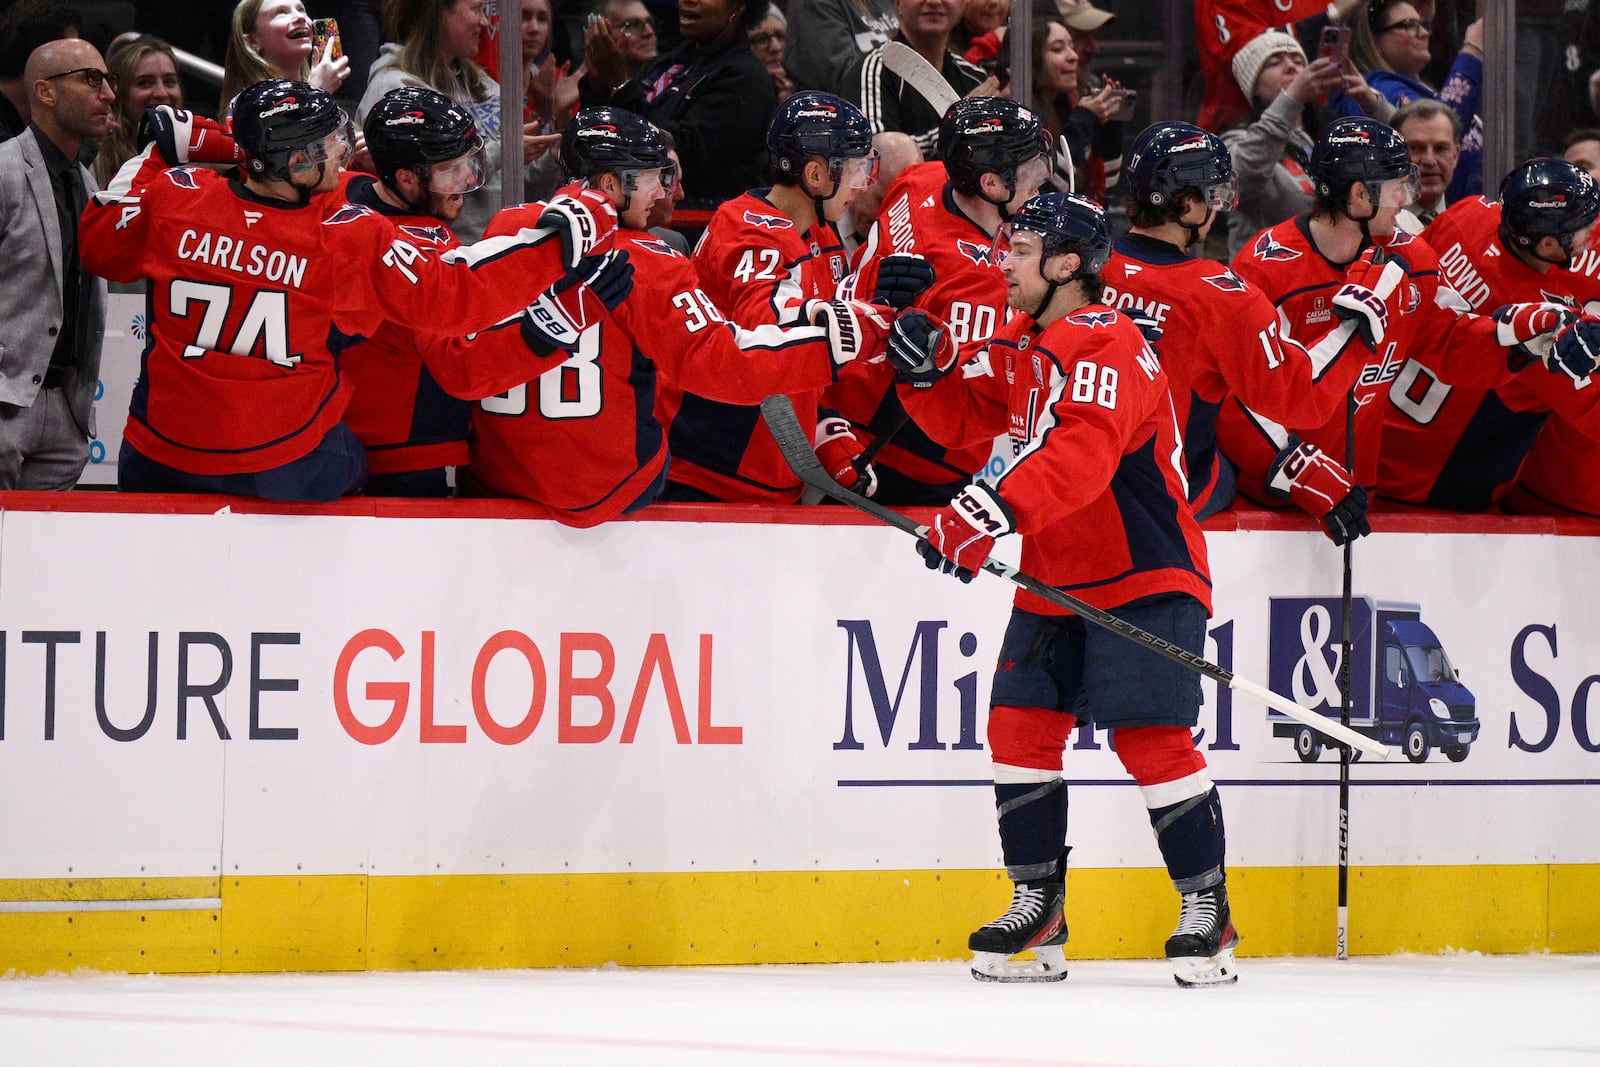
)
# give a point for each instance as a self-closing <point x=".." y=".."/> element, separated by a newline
<point x="304" y="193"/>
<point x="1193" y="229"/>
<point x="818" y="200"/>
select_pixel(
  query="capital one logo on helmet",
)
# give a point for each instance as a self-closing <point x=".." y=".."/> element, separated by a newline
<point x="608" y="132"/>
<point x="289" y="103"/>
<point x="1193" y="144"/>
<point x="1556" y="202"/>
<point x="818" y="111"/>
<point x="410" y="118"/>
<point x="987" y="126"/>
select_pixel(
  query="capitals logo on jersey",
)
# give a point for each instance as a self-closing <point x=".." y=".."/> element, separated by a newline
<point x="347" y="213"/>
<point x="982" y="255"/>
<point x="1094" y="319"/>
<point x="769" y="222"/>
<point x="183" y="178"/>
<point x="659" y="247"/>
<point x="1228" y="282"/>
<point x="433" y="235"/>
<point x="1268" y="250"/>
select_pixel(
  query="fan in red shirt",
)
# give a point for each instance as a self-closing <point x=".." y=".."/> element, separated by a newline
<point x="993" y="156"/>
<point x="1097" y="492"/>
<point x="586" y="441"/>
<point x="764" y="256"/>
<point x="238" y="391"/>
<point x="1455" y="447"/>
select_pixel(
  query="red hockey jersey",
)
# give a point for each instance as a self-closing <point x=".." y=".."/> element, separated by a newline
<point x="584" y="440"/>
<point x="237" y="375"/>
<point x="1427" y="322"/>
<point x="1219" y="337"/>
<point x="1097" y="486"/>
<point x="1453" y="446"/>
<point x="759" y="269"/>
<point x="920" y="215"/>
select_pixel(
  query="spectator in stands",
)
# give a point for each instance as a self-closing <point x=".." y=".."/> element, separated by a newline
<point x="25" y="26"/>
<point x="981" y="17"/>
<point x="1581" y="148"/>
<point x="52" y="311"/>
<point x="619" y="38"/>
<point x="1389" y="44"/>
<point x="896" y="151"/>
<point x="1271" y="148"/>
<point x="272" y="39"/>
<point x="550" y="99"/>
<point x="767" y="42"/>
<point x="432" y="42"/>
<point x="1222" y="27"/>
<point x="1432" y="132"/>
<point x="827" y="38"/>
<point x="888" y="102"/>
<point x="1081" y="116"/>
<point x="146" y="74"/>
<point x="710" y="92"/>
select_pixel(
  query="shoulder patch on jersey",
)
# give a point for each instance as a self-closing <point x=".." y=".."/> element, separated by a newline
<point x="347" y="213"/>
<point x="1227" y="281"/>
<point x="1413" y="298"/>
<point x="982" y="255"/>
<point x="1093" y="319"/>
<point x="183" y="178"/>
<point x="656" y="245"/>
<point x="769" y="222"/>
<point x="1564" y="299"/>
<point x="1267" y="249"/>
<point x="433" y="235"/>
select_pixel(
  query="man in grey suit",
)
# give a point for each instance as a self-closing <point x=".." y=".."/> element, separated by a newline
<point x="52" y="312"/>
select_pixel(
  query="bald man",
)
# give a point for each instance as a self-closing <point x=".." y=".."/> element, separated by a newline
<point x="896" y="152"/>
<point x="52" y="312"/>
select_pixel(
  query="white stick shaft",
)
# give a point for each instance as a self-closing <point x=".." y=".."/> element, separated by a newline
<point x="1320" y="723"/>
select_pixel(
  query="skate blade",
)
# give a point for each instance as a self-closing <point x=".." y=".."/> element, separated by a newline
<point x="1050" y="966"/>
<point x="1195" y="972"/>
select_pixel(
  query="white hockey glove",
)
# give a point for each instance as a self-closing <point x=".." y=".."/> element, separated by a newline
<point x="855" y="330"/>
<point x="837" y="447"/>
<point x="584" y="221"/>
<point x="1554" y="334"/>
<point x="1364" y="295"/>
<point x="1303" y="473"/>
<point x="575" y="301"/>
<point x="920" y="349"/>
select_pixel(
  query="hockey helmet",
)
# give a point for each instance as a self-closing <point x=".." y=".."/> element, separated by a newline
<point x="1547" y="198"/>
<point x="275" y="120"/>
<point x="1169" y="157"/>
<point x="1067" y="222"/>
<point x="813" y="125"/>
<point x="609" y="140"/>
<point x="1361" y="150"/>
<point x="990" y="135"/>
<point x="417" y="129"/>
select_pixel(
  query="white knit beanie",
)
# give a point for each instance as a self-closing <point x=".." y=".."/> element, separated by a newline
<point x="1249" y="60"/>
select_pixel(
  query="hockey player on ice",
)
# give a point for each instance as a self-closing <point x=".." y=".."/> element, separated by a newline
<point x="1097" y="492"/>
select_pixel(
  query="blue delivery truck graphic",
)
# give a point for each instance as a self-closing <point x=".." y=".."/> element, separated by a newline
<point x="1403" y="689"/>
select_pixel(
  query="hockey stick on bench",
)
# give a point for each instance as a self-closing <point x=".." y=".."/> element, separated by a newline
<point x="792" y="441"/>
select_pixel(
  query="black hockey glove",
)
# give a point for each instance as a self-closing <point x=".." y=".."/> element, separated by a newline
<point x="920" y="349"/>
<point x="576" y="301"/>
<point x="902" y="278"/>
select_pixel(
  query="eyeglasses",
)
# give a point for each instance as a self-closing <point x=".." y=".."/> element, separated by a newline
<point x="635" y="27"/>
<point x="1415" y="27"/>
<point x="761" y="40"/>
<point x="93" y="76"/>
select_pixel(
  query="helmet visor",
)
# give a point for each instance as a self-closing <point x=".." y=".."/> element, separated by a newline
<point x="464" y="174"/>
<point x="1223" y="195"/>
<point x="654" y="184"/>
<point x="1031" y="176"/>
<point x="856" y="172"/>
<point x="335" y="148"/>
<point x="1398" y="192"/>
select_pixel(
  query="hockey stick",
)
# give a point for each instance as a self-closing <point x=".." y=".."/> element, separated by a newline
<point x="779" y="414"/>
<point x="920" y="75"/>
<point x="1342" y="929"/>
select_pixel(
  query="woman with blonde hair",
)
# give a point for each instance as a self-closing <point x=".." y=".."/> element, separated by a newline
<point x="145" y="72"/>
<point x="272" y="39"/>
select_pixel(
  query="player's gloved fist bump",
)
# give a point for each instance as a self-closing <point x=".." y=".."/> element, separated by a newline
<point x="1530" y="329"/>
<point x="856" y="330"/>
<point x="962" y="533"/>
<point x="584" y="221"/>
<point x="837" y="447"/>
<point x="902" y="277"/>
<point x="1576" y="352"/>
<point x="1303" y="473"/>
<point x="183" y="137"/>
<point x="1363" y="298"/>
<point x="574" y="301"/>
<point x="920" y="349"/>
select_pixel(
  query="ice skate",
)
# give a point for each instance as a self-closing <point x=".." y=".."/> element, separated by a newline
<point x="1033" y="922"/>
<point x="1201" y="948"/>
